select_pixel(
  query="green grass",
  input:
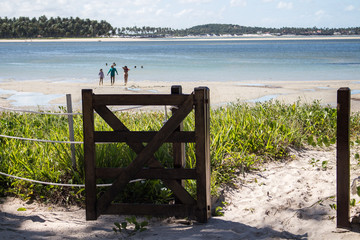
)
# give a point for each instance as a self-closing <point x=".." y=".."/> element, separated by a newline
<point x="242" y="137"/>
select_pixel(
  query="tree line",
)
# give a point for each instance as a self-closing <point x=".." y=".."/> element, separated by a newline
<point x="231" y="29"/>
<point x="24" y="27"/>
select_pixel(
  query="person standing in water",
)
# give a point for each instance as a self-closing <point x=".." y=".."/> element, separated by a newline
<point x="112" y="72"/>
<point x="126" y="74"/>
<point x="101" y="75"/>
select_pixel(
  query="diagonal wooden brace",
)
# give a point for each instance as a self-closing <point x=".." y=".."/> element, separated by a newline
<point x="144" y="156"/>
<point x="117" y="125"/>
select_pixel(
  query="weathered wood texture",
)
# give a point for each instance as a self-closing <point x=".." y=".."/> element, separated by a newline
<point x="343" y="158"/>
<point x="186" y="206"/>
<point x="179" y="146"/>
<point x="89" y="154"/>
<point x="202" y="145"/>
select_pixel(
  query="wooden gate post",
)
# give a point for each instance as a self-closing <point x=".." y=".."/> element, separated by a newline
<point x="71" y="129"/>
<point x="89" y="154"/>
<point x="178" y="148"/>
<point x="202" y="152"/>
<point x="343" y="158"/>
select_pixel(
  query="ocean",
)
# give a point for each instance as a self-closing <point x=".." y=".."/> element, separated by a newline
<point x="174" y="60"/>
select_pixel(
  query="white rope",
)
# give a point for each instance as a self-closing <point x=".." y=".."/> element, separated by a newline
<point x="125" y="109"/>
<point x="63" y="184"/>
<point x="40" y="140"/>
<point x="51" y="113"/>
<point x="29" y="111"/>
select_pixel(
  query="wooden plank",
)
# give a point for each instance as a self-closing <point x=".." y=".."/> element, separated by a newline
<point x="179" y="147"/>
<point x="89" y="154"/>
<point x="178" y="210"/>
<point x="163" y="174"/>
<point x="202" y="152"/>
<point x="141" y="136"/>
<point x="71" y="129"/>
<point x="144" y="156"/>
<point x="139" y="99"/>
<point x="343" y="158"/>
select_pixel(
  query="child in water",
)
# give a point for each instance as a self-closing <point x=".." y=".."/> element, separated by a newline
<point x="101" y="75"/>
<point x="126" y="74"/>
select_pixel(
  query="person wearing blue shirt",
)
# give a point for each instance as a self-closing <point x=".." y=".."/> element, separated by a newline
<point x="112" y="72"/>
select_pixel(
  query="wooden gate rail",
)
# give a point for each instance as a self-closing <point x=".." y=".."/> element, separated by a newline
<point x="185" y="205"/>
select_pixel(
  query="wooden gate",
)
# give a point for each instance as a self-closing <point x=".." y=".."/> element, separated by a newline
<point x="185" y="205"/>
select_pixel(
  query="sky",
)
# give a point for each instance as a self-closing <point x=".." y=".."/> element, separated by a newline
<point x="181" y="14"/>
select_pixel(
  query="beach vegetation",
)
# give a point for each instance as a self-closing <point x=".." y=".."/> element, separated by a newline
<point x="242" y="137"/>
<point x="44" y="27"/>
<point x="24" y="27"/>
<point x="124" y="227"/>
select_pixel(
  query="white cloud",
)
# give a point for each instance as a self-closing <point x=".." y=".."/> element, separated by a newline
<point x="6" y="7"/>
<point x="350" y="8"/>
<point x="320" y="13"/>
<point x="62" y="2"/>
<point x="145" y="2"/>
<point x="195" y="1"/>
<point x="268" y="20"/>
<point x="159" y="12"/>
<point x="241" y="3"/>
<point x="141" y="11"/>
<point x="183" y="12"/>
<point x="285" y="5"/>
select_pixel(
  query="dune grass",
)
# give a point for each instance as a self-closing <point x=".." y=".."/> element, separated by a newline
<point x="242" y="137"/>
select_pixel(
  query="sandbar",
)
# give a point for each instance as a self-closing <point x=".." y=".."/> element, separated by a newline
<point x="49" y="95"/>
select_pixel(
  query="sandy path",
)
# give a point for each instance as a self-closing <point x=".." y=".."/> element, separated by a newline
<point x="289" y="200"/>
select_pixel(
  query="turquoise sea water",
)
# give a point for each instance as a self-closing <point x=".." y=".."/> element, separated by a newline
<point x="184" y="60"/>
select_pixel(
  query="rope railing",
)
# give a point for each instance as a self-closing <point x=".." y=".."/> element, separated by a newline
<point x="38" y="112"/>
<point x="54" y="141"/>
<point x="64" y="114"/>
<point x="61" y="184"/>
<point x="52" y="113"/>
<point x="126" y="109"/>
<point x="40" y="140"/>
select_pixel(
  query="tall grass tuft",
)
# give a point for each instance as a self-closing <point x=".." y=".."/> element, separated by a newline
<point x="242" y="137"/>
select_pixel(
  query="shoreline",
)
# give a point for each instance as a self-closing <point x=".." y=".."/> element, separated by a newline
<point x="188" y="38"/>
<point x="49" y="95"/>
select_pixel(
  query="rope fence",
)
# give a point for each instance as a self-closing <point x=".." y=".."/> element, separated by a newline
<point x="40" y="140"/>
<point x="37" y="112"/>
<point x="69" y="114"/>
<point x="61" y="184"/>
<point x="64" y="114"/>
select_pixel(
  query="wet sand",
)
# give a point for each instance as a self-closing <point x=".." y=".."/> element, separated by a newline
<point x="49" y="95"/>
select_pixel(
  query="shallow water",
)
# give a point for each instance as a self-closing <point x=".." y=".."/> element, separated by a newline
<point x="176" y="61"/>
<point x="183" y="60"/>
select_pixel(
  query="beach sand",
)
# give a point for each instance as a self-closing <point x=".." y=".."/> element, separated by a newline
<point x="283" y="200"/>
<point x="221" y="93"/>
